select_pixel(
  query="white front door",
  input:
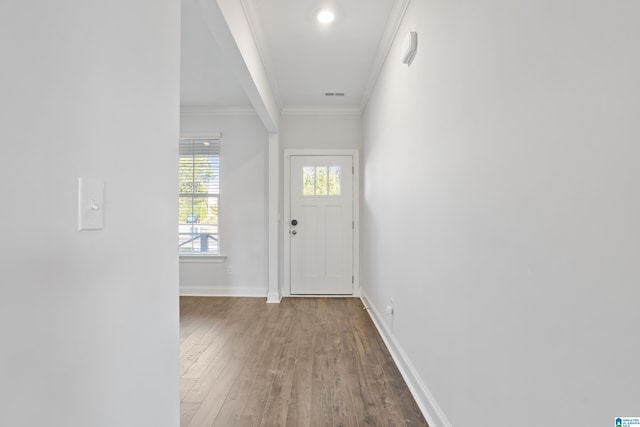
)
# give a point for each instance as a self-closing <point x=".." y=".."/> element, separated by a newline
<point x="321" y="225"/>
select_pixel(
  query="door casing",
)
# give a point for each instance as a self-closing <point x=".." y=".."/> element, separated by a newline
<point x="286" y="291"/>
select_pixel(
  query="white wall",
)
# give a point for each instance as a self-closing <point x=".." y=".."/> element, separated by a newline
<point x="501" y="209"/>
<point x="321" y="131"/>
<point x="243" y="229"/>
<point x="89" y="320"/>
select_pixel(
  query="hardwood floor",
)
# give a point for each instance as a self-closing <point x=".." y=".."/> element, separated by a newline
<point x="303" y="362"/>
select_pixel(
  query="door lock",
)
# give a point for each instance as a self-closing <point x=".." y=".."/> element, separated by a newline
<point x="294" y="222"/>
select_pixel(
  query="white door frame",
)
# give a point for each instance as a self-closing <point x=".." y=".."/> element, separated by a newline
<point x="286" y="291"/>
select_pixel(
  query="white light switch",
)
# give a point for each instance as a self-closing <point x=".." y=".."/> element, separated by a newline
<point x="90" y="204"/>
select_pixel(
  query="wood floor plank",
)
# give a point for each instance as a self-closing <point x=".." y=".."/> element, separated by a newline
<point x="320" y="369"/>
<point x="276" y="408"/>
<point x="393" y="395"/>
<point x="367" y="338"/>
<point x="342" y="402"/>
<point x="321" y="408"/>
<point x="364" y="403"/>
<point x="230" y="346"/>
<point x="187" y="411"/>
<point x="230" y="412"/>
<point x="211" y="404"/>
<point x="303" y="362"/>
<point x="259" y="392"/>
<point x="253" y="411"/>
<point x="185" y="386"/>
<point x="196" y="310"/>
<point x="397" y="389"/>
<point x="190" y="357"/>
<point x="299" y="407"/>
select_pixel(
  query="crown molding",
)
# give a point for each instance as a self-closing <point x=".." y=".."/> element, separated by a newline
<point x="217" y="111"/>
<point x="388" y="37"/>
<point x="320" y="111"/>
<point x="263" y="51"/>
<point x="199" y="135"/>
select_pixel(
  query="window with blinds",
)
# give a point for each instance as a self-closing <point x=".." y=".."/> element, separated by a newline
<point x="199" y="196"/>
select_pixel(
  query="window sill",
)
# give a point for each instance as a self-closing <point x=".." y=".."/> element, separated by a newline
<point x="184" y="258"/>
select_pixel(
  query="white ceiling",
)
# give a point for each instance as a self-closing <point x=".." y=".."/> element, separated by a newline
<point x="302" y="57"/>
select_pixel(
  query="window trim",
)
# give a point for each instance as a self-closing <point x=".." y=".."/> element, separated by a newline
<point x="201" y="258"/>
<point x="198" y="257"/>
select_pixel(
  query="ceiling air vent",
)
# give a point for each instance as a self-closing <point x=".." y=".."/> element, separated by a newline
<point x="334" y="94"/>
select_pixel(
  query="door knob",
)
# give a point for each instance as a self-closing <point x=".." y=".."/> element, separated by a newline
<point x="294" y="232"/>
<point x="294" y="222"/>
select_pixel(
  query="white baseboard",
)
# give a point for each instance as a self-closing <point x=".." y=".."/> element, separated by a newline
<point x="274" y="297"/>
<point x="222" y="291"/>
<point x="430" y="409"/>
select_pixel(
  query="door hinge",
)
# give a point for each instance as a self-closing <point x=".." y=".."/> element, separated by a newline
<point x="353" y="280"/>
<point x="353" y="225"/>
<point x="353" y="170"/>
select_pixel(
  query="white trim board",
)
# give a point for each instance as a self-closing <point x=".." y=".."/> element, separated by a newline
<point x="323" y="296"/>
<point x="393" y="25"/>
<point x="227" y="23"/>
<point x="201" y="135"/>
<point x="427" y="404"/>
<point x="259" y="39"/>
<point x="211" y="259"/>
<point x="320" y="111"/>
<point x="222" y="291"/>
<point x="217" y="111"/>
<point x="286" y="270"/>
<point x="273" y="221"/>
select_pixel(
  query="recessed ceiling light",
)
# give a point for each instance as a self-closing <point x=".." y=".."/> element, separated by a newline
<point x="326" y="16"/>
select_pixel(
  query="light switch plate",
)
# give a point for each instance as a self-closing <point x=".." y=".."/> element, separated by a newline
<point x="90" y="204"/>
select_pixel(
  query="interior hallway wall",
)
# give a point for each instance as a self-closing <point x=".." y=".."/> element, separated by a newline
<point x="89" y="320"/>
<point x="501" y="208"/>
<point x="243" y="207"/>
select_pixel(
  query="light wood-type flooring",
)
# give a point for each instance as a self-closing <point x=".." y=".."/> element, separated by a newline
<point x="303" y="362"/>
